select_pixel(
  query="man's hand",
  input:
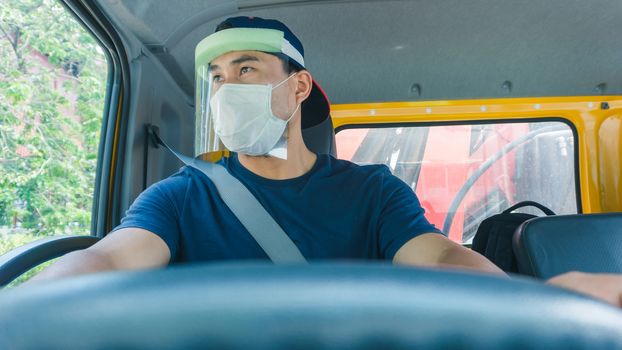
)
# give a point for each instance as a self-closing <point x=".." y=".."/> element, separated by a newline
<point x="607" y="287"/>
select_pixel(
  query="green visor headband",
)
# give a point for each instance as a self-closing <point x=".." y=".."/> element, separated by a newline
<point x="243" y="39"/>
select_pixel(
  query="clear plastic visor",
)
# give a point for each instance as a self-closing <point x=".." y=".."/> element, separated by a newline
<point x="243" y="120"/>
<point x="207" y="144"/>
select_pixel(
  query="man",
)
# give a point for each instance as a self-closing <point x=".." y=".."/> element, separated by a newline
<point x="252" y="88"/>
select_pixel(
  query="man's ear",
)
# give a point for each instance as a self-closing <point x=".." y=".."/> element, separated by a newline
<point x="305" y="83"/>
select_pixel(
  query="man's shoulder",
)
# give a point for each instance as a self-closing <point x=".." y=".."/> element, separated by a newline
<point x="341" y="165"/>
<point x="375" y="175"/>
<point x="181" y="178"/>
<point x="176" y="186"/>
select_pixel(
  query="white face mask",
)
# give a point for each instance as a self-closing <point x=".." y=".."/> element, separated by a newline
<point x="243" y="118"/>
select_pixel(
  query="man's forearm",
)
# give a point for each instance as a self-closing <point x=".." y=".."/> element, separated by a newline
<point x="75" y="263"/>
<point x="432" y="249"/>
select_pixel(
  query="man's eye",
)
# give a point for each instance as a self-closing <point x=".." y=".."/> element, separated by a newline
<point x="244" y="70"/>
<point x="216" y="78"/>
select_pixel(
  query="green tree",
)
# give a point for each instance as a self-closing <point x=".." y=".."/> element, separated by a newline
<point x="52" y="86"/>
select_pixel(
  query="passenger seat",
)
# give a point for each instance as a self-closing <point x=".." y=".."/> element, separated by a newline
<point x="548" y="246"/>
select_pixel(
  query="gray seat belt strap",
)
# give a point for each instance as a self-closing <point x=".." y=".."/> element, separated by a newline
<point x="245" y="206"/>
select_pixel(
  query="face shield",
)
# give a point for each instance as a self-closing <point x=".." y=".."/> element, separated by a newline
<point x="239" y="117"/>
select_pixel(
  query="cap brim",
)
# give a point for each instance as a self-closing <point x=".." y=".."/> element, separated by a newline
<point x="316" y="108"/>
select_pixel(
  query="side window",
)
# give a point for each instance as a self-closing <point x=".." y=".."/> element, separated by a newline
<point x="463" y="174"/>
<point x="52" y="87"/>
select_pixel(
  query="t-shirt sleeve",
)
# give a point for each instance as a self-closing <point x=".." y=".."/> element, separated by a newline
<point x="401" y="217"/>
<point x="157" y="209"/>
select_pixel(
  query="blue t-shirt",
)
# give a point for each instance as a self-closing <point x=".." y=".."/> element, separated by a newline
<point x="337" y="210"/>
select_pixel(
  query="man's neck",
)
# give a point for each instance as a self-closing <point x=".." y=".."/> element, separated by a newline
<point x="299" y="161"/>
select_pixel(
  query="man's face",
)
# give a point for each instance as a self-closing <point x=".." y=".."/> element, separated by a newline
<point x="254" y="67"/>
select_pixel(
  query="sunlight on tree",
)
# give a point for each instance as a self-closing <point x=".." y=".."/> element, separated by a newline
<point x="52" y="88"/>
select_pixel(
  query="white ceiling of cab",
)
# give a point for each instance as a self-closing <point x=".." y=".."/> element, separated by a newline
<point x="372" y="51"/>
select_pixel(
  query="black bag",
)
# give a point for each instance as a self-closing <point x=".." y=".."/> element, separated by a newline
<point x="493" y="238"/>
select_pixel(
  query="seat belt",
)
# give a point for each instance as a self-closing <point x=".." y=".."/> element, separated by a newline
<point x="245" y="206"/>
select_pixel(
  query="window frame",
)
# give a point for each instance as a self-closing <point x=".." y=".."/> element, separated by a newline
<point x="116" y="105"/>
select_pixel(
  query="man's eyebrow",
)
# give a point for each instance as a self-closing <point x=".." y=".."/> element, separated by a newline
<point x="237" y="61"/>
<point x="244" y="58"/>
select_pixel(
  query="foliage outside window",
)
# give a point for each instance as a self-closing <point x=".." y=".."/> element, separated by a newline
<point x="52" y="86"/>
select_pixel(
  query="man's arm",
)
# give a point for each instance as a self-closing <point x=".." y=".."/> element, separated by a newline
<point x="432" y="249"/>
<point x="125" y="249"/>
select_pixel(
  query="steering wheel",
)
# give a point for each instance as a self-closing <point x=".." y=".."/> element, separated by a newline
<point x="320" y="306"/>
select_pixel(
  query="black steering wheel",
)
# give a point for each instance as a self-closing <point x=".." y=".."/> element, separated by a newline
<point x="320" y="306"/>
